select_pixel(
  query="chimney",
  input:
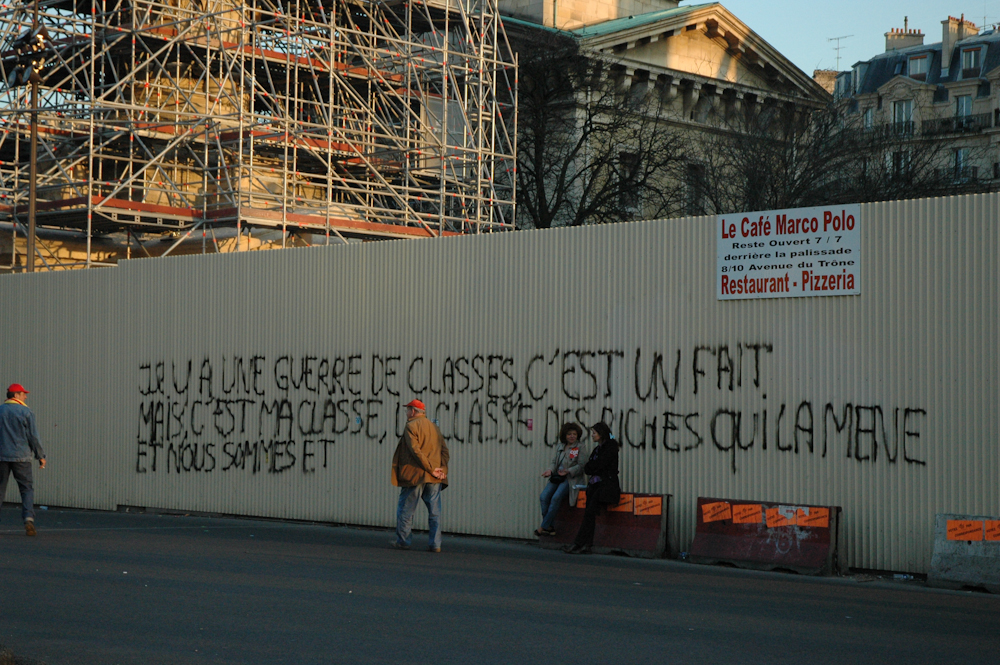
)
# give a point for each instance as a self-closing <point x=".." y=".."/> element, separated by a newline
<point x="826" y="78"/>
<point x="897" y="39"/>
<point x="953" y="31"/>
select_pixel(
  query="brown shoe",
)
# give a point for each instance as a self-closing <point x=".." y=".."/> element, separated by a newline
<point x="29" y="528"/>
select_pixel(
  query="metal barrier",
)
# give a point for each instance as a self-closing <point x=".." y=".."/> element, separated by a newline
<point x="966" y="552"/>
<point x="767" y="536"/>
<point x="637" y="526"/>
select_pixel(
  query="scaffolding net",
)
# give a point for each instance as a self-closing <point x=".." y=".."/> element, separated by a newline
<point x="351" y="118"/>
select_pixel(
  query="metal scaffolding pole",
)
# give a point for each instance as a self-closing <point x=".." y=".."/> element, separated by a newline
<point x="354" y="118"/>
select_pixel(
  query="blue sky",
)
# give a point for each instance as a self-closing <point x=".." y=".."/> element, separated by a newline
<point x="799" y="29"/>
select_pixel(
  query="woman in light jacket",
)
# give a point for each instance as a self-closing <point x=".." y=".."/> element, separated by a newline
<point x="564" y="472"/>
<point x="603" y="489"/>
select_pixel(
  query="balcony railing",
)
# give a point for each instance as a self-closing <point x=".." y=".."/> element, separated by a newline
<point x="892" y="129"/>
<point x="957" y="124"/>
<point x="958" y="173"/>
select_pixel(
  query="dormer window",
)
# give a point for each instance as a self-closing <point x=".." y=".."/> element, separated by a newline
<point x="970" y="62"/>
<point x="898" y="69"/>
<point x="918" y="67"/>
<point x="857" y="76"/>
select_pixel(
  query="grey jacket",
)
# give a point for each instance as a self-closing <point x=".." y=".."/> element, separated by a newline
<point x="571" y="459"/>
<point x="18" y="434"/>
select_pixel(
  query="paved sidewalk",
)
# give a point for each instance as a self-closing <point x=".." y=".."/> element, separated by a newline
<point x="107" y="588"/>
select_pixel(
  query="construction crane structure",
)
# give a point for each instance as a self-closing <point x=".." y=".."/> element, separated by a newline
<point x="196" y="124"/>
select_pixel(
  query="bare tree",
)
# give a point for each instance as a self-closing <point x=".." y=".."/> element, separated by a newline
<point x="771" y="158"/>
<point x="590" y="149"/>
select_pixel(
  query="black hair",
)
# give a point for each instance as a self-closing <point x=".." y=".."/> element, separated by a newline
<point x="604" y="432"/>
<point x="10" y="395"/>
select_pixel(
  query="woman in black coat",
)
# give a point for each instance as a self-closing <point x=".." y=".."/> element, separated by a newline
<point x="603" y="488"/>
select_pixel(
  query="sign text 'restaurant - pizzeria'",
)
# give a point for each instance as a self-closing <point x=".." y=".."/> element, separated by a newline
<point x="789" y="253"/>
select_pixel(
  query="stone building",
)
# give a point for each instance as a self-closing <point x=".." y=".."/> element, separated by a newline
<point x="945" y="95"/>
<point x="702" y="61"/>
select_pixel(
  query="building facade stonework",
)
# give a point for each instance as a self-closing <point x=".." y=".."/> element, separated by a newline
<point x="702" y="64"/>
<point x="572" y="14"/>
<point x="945" y="94"/>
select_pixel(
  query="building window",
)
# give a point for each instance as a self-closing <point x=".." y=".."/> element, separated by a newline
<point x="963" y="112"/>
<point x="963" y="106"/>
<point x="857" y="76"/>
<point x="868" y="117"/>
<point x="902" y="116"/>
<point x="696" y="189"/>
<point x="900" y="163"/>
<point x="628" y="171"/>
<point x="918" y="67"/>
<point x="970" y="62"/>
<point x="962" y="163"/>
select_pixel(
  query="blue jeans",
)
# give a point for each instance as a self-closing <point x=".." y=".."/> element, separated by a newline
<point x="552" y="499"/>
<point x="408" y="498"/>
<point x="22" y="474"/>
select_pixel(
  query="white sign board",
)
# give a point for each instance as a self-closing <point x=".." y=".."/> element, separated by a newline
<point x="789" y="253"/>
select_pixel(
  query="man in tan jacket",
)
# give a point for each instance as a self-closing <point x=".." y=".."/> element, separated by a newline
<point x="420" y="471"/>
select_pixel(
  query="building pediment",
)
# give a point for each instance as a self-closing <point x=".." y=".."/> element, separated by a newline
<point x="706" y="41"/>
<point x="902" y="86"/>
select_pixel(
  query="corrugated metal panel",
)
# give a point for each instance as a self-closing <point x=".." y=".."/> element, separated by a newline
<point x="496" y="332"/>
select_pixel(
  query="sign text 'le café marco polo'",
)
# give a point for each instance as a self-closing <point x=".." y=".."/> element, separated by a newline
<point x="790" y="253"/>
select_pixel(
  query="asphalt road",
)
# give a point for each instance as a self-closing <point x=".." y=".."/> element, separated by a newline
<point x="123" y="588"/>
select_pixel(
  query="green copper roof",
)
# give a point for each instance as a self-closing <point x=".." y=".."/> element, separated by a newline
<point x="614" y="25"/>
<point x="531" y="24"/>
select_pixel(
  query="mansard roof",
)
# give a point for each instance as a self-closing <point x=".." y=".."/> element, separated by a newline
<point x="886" y="66"/>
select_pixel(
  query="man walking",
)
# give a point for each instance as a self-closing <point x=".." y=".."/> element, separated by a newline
<point x="18" y="444"/>
<point x="420" y="471"/>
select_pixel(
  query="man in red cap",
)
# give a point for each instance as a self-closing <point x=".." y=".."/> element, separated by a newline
<point x="420" y="471"/>
<point x="18" y="445"/>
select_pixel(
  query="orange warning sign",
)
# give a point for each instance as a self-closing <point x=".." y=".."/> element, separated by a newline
<point x="776" y="518"/>
<point x="747" y="513"/>
<point x="993" y="530"/>
<point x="624" y="504"/>
<point x="965" y="530"/>
<point x="581" y="499"/>
<point x="648" y="505"/>
<point x="814" y="517"/>
<point x="713" y="512"/>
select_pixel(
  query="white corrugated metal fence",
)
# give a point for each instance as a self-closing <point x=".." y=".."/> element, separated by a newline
<point x="271" y="383"/>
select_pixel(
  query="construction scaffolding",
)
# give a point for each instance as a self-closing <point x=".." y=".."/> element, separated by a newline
<point x="185" y="120"/>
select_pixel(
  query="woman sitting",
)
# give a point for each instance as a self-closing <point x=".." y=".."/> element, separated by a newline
<point x="602" y="490"/>
<point x="565" y="470"/>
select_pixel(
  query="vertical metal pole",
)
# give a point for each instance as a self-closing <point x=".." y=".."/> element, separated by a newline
<point x="32" y="167"/>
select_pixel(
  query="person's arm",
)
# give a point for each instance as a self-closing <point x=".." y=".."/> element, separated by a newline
<point x="442" y="471"/>
<point x="599" y="466"/>
<point x="613" y="452"/>
<point x="33" y="442"/>
<point x="553" y="465"/>
<point x="593" y="465"/>
<point x="417" y="442"/>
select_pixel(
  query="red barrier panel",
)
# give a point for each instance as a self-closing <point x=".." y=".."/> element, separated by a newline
<point x="766" y="536"/>
<point x="637" y="526"/>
